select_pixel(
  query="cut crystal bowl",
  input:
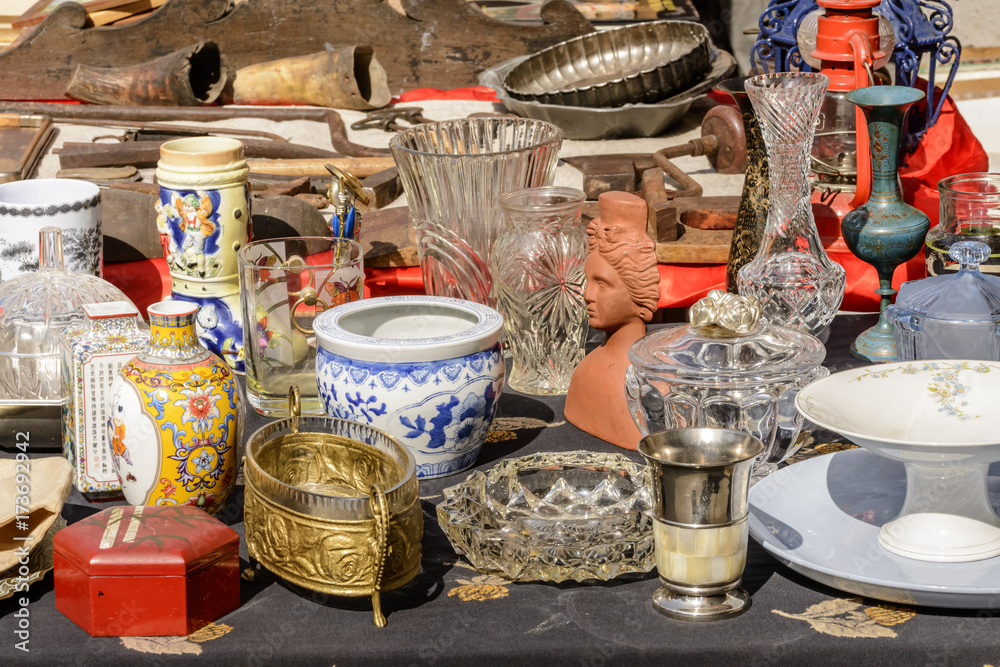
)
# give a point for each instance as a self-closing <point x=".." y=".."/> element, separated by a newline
<point x="553" y="516"/>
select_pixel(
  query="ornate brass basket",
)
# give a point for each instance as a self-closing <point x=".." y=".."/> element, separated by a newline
<point x="333" y="506"/>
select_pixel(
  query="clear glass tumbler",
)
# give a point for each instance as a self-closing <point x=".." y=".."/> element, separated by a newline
<point x="454" y="173"/>
<point x="970" y="211"/>
<point x="539" y="280"/>
<point x="792" y="277"/>
<point x="284" y="284"/>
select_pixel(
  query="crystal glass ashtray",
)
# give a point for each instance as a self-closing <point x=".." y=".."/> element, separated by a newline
<point x="553" y="516"/>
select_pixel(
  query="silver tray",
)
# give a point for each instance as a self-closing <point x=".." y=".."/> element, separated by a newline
<point x="633" y="64"/>
<point x="631" y="120"/>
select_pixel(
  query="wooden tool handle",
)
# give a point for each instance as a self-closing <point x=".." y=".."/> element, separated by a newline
<point x="358" y="166"/>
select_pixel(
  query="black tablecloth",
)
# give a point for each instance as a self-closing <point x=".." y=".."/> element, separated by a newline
<point x="452" y="615"/>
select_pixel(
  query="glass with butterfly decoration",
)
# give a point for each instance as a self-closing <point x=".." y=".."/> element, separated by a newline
<point x="284" y="285"/>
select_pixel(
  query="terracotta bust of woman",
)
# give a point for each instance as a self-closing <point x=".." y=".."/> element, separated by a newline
<point x="622" y="291"/>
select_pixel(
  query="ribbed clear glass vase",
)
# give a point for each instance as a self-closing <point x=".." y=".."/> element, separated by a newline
<point x="454" y="173"/>
<point x="793" y="278"/>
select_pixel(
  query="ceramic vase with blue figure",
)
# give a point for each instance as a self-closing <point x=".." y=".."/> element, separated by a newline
<point x="426" y="370"/>
<point x="176" y="417"/>
<point x="203" y="219"/>
<point x="885" y="231"/>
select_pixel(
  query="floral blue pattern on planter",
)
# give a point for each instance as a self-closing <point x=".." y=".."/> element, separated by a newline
<point x="441" y="410"/>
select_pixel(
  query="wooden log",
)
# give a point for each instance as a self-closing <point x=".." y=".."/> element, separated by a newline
<point x="188" y="77"/>
<point x="347" y="78"/>
<point x="382" y="189"/>
<point x="388" y="238"/>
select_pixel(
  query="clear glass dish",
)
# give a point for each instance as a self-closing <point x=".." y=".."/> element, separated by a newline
<point x="553" y="516"/>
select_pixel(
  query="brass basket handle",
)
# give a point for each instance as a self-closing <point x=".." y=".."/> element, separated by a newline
<point x="310" y="298"/>
<point x="380" y="510"/>
<point x="294" y="406"/>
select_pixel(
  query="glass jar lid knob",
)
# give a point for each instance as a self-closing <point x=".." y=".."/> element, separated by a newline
<point x="969" y="254"/>
<point x="724" y="314"/>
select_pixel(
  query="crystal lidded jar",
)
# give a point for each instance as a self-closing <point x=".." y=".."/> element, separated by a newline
<point x="792" y="277"/>
<point x="726" y="369"/>
<point x="539" y="280"/>
<point x="953" y="316"/>
<point x="34" y="309"/>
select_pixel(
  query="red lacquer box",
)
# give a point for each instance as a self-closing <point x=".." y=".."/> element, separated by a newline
<point x="146" y="571"/>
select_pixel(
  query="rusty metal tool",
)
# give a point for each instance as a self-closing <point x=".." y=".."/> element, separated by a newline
<point x="76" y="155"/>
<point x="171" y="128"/>
<point x="73" y="112"/>
<point x="722" y="141"/>
<point x="388" y="119"/>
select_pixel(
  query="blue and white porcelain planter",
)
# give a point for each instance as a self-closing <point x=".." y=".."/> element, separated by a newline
<point x="425" y="369"/>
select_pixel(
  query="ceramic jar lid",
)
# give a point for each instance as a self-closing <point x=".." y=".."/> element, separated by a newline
<point x="727" y="343"/>
<point x="408" y="329"/>
<point x="968" y="295"/>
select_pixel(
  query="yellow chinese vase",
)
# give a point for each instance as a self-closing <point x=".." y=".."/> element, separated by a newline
<point x="176" y="417"/>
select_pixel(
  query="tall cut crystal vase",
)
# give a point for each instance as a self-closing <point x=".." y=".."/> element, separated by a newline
<point x="792" y="277"/>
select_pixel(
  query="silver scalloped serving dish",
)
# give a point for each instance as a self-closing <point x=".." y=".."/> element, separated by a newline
<point x="631" y="120"/>
<point x="634" y="64"/>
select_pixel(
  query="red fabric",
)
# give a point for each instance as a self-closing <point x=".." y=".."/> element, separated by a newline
<point x="948" y="148"/>
<point x="475" y="93"/>
<point x="145" y="282"/>
<point x="148" y="281"/>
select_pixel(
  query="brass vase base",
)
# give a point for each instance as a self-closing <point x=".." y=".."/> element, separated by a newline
<point x="728" y="604"/>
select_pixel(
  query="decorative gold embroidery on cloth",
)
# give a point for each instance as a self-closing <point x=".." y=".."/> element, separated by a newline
<point x="848" y="617"/>
<point x="177" y="645"/>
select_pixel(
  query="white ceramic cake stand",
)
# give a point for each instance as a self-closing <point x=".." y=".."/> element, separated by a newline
<point x="942" y="420"/>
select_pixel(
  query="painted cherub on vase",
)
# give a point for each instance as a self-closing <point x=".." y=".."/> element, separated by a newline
<point x="198" y="226"/>
<point x="621" y="296"/>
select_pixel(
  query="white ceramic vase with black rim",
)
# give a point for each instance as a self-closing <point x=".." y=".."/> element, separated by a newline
<point x="72" y="206"/>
